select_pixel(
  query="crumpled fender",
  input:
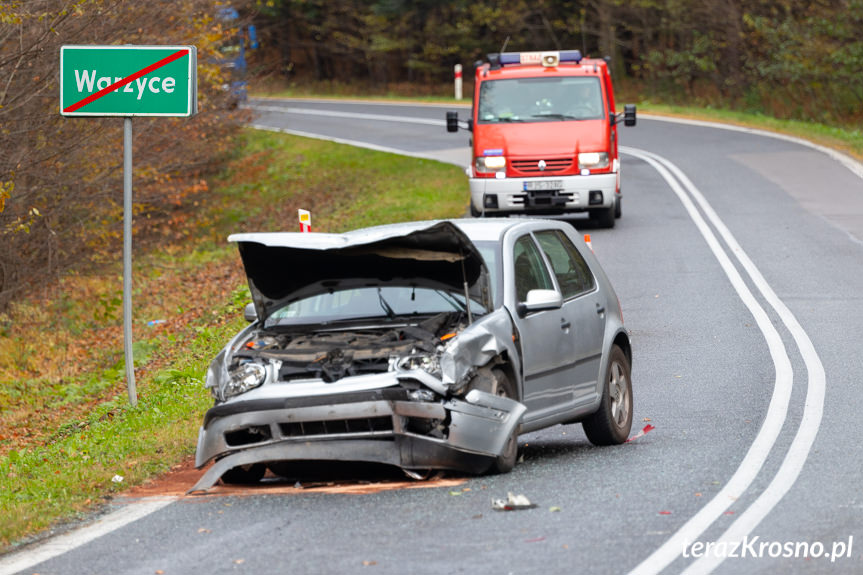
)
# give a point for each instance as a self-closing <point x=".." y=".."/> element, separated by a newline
<point x="485" y="339"/>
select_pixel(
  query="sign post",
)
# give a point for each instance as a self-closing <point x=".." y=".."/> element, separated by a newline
<point x="128" y="81"/>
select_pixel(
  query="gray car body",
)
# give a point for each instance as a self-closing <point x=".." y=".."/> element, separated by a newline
<point x="554" y="350"/>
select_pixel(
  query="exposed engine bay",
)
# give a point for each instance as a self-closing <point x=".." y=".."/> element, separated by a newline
<point x="331" y="354"/>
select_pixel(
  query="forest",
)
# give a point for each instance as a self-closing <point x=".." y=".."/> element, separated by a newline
<point x="797" y="59"/>
<point x="61" y="178"/>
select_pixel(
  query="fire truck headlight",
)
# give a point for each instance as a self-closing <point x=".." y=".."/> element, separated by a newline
<point x="490" y="164"/>
<point x="592" y="160"/>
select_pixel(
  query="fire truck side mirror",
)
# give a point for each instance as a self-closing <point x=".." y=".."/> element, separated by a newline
<point x="629" y="115"/>
<point x="452" y="121"/>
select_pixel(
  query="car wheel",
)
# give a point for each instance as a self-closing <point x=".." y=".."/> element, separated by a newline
<point x="474" y="213"/>
<point x="612" y="422"/>
<point x="506" y="460"/>
<point x="618" y="209"/>
<point x="604" y="217"/>
<point x="244" y="474"/>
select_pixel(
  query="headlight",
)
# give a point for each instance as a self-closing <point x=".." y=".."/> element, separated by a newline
<point x="247" y="376"/>
<point x="592" y="160"/>
<point x="490" y="164"/>
<point x="425" y="361"/>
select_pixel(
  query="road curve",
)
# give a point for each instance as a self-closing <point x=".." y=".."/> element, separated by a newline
<point x="737" y="262"/>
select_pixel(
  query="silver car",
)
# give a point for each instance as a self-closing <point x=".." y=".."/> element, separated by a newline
<point x="423" y="345"/>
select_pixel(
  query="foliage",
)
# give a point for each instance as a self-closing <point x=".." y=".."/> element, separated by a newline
<point x="797" y="59"/>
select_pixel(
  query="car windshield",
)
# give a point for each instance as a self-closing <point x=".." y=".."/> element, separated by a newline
<point x="540" y="100"/>
<point x="370" y="303"/>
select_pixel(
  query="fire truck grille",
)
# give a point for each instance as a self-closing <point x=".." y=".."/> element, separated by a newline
<point x="550" y="167"/>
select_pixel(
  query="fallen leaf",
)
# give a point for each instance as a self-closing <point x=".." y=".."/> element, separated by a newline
<point x="554" y="509"/>
<point x="369" y="563"/>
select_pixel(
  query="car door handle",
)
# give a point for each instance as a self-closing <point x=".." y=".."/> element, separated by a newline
<point x="600" y="309"/>
<point x="564" y="324"/>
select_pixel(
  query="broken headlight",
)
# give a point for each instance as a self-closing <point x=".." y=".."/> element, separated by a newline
<point x="428" y="362"/>
<point x="246" y="376"/>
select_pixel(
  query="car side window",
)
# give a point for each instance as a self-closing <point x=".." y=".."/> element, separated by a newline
<point x="530" y="270"/>
<point x="572" y="273"/>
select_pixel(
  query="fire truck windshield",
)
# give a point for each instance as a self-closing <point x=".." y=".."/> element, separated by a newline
<point x="540" y="99"/>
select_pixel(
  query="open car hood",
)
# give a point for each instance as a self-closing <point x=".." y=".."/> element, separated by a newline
<point x="286" y="266"/>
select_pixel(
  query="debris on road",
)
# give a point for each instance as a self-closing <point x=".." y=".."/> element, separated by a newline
<point x="642" y="433"/>
<point x="512" y="503"/>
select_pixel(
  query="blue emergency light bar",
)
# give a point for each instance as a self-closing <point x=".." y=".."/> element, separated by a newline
<point x="534" y="58"/>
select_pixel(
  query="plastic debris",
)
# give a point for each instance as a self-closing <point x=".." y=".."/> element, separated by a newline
<point x="512" y="503"/>
<point x="665" y="512"/>
<point x="153" y="322"/>
<point x="642" y="433"/>
<point x="117" y="479"/>
<point x="554" y="509"/>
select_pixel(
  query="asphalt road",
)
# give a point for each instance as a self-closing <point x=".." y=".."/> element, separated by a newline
<point x="737" y="262"/>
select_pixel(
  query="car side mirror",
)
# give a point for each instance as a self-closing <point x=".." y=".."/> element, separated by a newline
<point x="629" y="115"/>
<point x="540" y="300"/>
<point x="249" y="312"/>
<point x="452" y="121"/>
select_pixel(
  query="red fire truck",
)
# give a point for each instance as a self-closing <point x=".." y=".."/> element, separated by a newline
<point x="544" y="136"/>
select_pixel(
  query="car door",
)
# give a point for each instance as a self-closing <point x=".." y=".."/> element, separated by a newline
<point x="583" y="308"/>
<point x="548" y="353"/>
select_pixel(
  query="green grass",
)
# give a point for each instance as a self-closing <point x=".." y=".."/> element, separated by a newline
<point x="82" y="430"/>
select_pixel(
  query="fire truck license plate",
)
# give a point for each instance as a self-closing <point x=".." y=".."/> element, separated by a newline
<point x="543" y="185"/>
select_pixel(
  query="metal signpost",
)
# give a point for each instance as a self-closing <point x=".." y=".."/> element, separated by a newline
<point x="128" y="81"/>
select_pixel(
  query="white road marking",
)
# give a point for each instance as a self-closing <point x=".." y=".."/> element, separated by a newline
<point x="813" y="408"/>
<point x="351" y="115"/>
<point x="776" y="413"/>
<point x="843" y="159"/>
<point x="30" y="556"/>
<point x="457" y="156"/>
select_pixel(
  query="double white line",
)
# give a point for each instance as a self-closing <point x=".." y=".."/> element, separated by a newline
<point x="764" y="442"/>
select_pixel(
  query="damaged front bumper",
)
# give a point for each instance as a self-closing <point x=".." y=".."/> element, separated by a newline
<point x="382" y="426"/>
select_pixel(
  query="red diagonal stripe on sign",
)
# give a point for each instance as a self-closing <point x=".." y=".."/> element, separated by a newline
<point x="93" y="97"/>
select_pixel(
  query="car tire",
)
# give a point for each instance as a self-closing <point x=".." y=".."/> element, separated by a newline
<point x="618" y="209"/>
<point x="506" y="460"/>
<point x="474" y="213"/>
<point x="612" y="422"/>
<point x="604" y="217"/>
<point x="244" y="474"/>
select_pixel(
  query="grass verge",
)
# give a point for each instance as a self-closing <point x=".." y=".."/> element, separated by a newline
<point x="66" y="428"/>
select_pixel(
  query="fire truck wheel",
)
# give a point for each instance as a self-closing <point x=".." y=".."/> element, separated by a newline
<point x="604" y="217"/>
